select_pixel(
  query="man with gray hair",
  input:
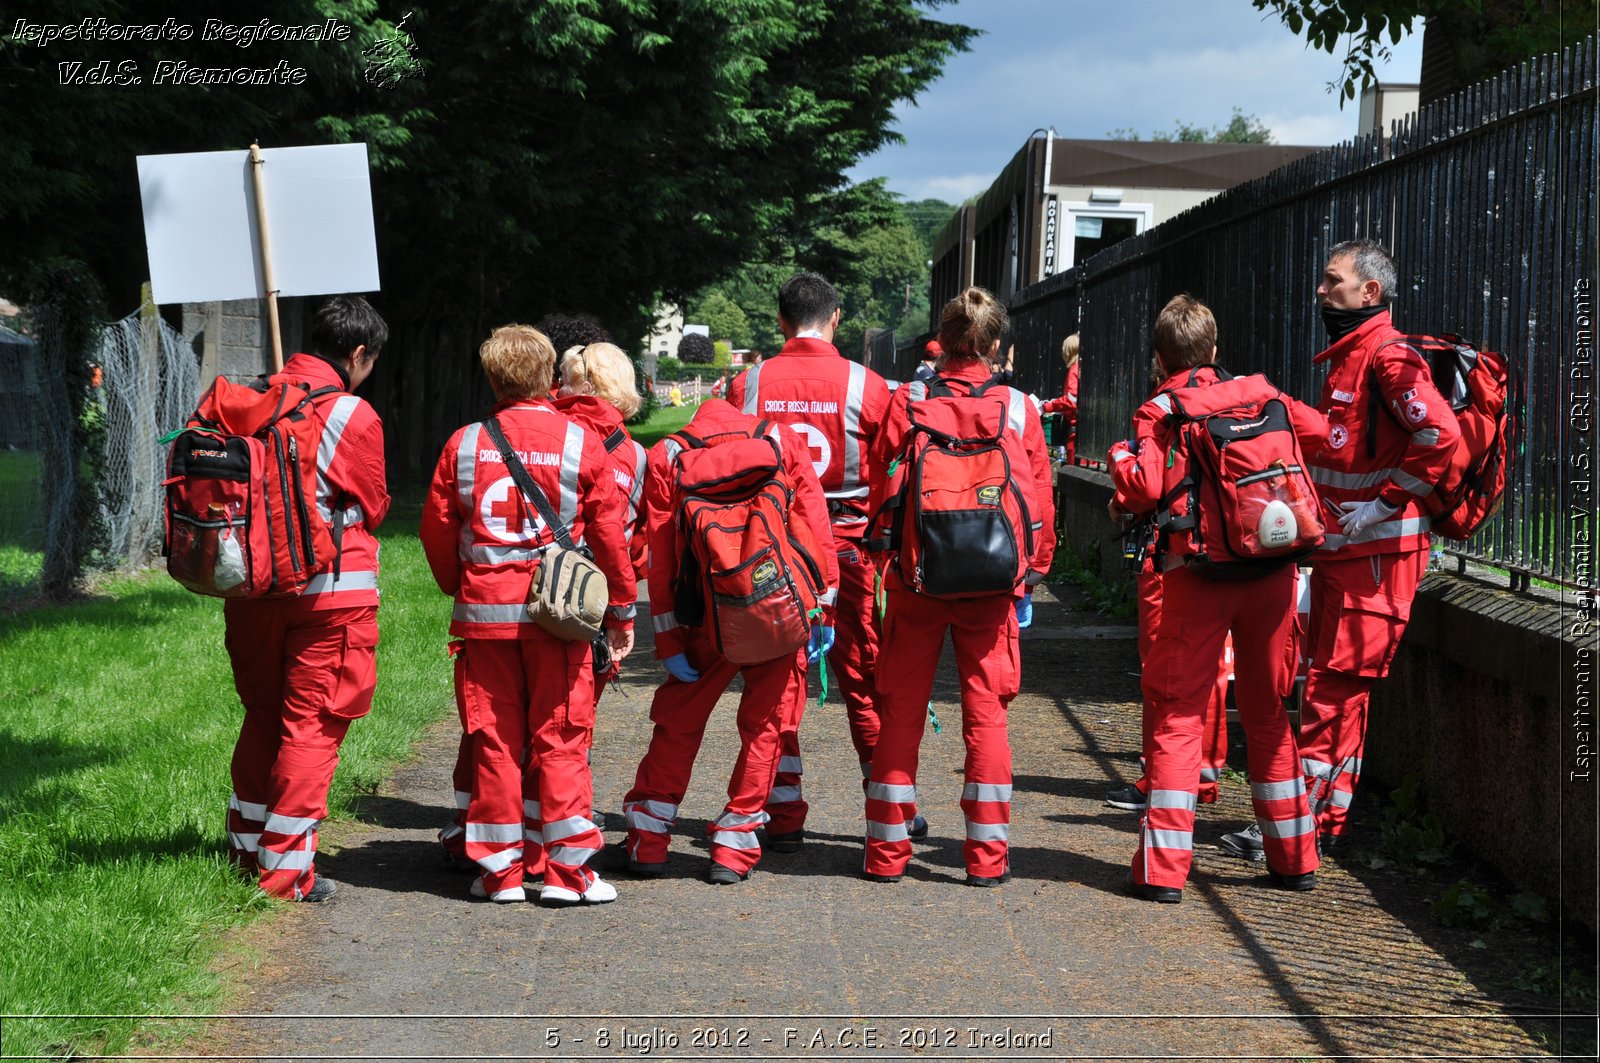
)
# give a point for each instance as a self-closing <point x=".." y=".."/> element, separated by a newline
<point x="1390" y="437"/>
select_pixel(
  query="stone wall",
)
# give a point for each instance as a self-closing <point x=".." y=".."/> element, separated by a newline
<point x="1478" y="703"/>
<point x="232" y="337"/>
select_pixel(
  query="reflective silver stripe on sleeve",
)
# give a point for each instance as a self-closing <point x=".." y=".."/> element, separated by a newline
<point x="289" y="826"/>
<point x="501" y="860"/>
<point x="854" y="398"/>
<point x="660" y="622"/>
<point x="495" y="555"/>
<point x="1016" y="410"/>
<point x="339" y="415"/>
<point x="293" y="860"/>
<point x="891" y="792"/>
<point x="1163" y="401"/>
<point x="1288" y="828"/>
<point x="479" y="613"/>
<point x="621" y="612"/>
<point x="986" y="791"/>
<point x="887" y="832"/>
<point x="828" y="597"/>
<point x="792" y="765"/>
<point x="490" y="833"/>
<point x="988" y="832"/>
<point x="248" y="809"/>
<point x="1349" y="481"/>
<point x="1170" y="839"/>
<point x="1184" y="800"/>
<point x="1426" y="437"/>
<point x="467" y="472"/>
<point x="1406" y="481"/>
<point x="566" y="828"/>
<point x="1277" y="791"/>
<point x="918" y="389"/>
<point x="1388" y="529"/>
<point x="752" y="378"/>
<point x="636" y="494"/>
<point x="346" y="581"/>
<point x="784" y="795"/>
<point x="571" y="463"/>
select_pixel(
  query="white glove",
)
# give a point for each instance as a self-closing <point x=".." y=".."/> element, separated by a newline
<point x="1357" y="517"/>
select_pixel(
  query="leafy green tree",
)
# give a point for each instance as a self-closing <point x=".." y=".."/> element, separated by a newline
<point x="1481" y="37"/>
<point x="1241" y="129"/>
<point x="721" y="354"/>
<point x="722" y="315"/>
<point x="695" y="349"/>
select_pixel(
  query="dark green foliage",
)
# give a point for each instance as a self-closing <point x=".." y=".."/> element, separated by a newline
<point x="1241" y="129"/>
<point x="695" y="349"/>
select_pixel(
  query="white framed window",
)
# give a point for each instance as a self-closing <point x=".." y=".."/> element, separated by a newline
<point x="1089" y="228"/>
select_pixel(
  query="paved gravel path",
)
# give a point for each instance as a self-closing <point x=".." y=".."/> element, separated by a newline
<point x="808" y="961"/>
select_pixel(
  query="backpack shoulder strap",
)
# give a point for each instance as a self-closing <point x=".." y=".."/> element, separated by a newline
<point x="530" y="490"/>
<point x="615" y="439"/>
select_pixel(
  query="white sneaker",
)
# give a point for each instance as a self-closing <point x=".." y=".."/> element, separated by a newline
<point x="511" y="895"/>
<point x="599" y="892"/>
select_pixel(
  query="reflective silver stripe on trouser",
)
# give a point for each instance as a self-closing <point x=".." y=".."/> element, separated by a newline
<point x="1209" y="775"/>
<point x="752" y="378"/>
<point x="344" y="581"/>
<point x="248" y="809"/>
<point x="290" y="826"/>
<point x="530" y="814"/>
<point x="987" y="791"/>
<point x="854" y="399"/>
<point x="1278" y="791"/>
<point x="723" y="833"/>
<point x="480" y="613"/>
<point x="245" y="842"/>
<point x="894" y="793"/>
<point x="332" y="431"/>
<point x="789" y="792"/>
<point x="561" y="829"/>
<point x="988" y="832"/>
<point x="571" y="464"/>
<point x="792" y="765"/>
<point x="300" y="858"/>
<point x="654" y="816"/>
<point x="1287" y="828"/>
<point x="663" y="621"/>
<point x="494" y="833"/>
<point x="1170" y="839"/>
<point x="1388" y="529"/>
<point x="1184" y="800"/>
<point x="888" y="832"/>
<point x="1340" y="798"/>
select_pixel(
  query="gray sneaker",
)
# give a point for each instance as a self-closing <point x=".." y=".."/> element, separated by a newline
<point x="1245" y="844"/>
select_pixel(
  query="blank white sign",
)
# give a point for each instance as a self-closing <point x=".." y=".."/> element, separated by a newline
<point x="200" y="223"/>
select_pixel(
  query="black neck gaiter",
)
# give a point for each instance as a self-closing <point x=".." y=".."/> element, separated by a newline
<point x="1340" y="323"/>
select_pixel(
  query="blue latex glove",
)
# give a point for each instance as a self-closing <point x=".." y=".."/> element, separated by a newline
<point x="821" y="642"/>
<point x="678" y="667"/>
<point x="1025" y="610"/>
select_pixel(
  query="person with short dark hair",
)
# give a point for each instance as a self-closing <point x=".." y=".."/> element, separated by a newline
<point x="305" y="666"/>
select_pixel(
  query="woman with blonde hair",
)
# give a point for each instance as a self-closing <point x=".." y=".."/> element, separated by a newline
<point x="1067" y="404"/>
<point x="983" y="625"/>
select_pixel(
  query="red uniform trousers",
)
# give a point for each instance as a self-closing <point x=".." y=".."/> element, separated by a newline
<point x="854" y="659"/>
<point x="773" y="699"/>
<point x="984" y="631"/>
<point x="303" y="674"/>
<point x="1359" y="610"/>
<point x="1179" y="675"/>
<point x="1214" y="728"/>
<point x="528" y="701"/>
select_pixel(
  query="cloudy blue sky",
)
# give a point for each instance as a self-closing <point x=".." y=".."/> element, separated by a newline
<point x="1089" y="67"/>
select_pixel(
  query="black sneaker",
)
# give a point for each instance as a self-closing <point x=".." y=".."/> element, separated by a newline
<point x="322" y="889"/>
<point x="1297" y="883"/>
<point x="918" y="828"/>
<point x="1333" y="844"/>
<point x="1129" y="798"/>
<point x="985" y="881"/>
<point x="723" y="875"/>
<point x="1245" y="844"/>
<point x="1146" y="892"/>
<point x="789" y="841"/>
<point x="870" y="877"/>
<point x="616" y="859"/>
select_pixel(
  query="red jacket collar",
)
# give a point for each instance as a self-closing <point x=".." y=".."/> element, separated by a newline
<point x="975" y="371"/>
<point x="508" y="404"/>
<point x="1357" y="339"/>
<point x="591" y="411"/>
<point x="318" y="372"/>
<point x="806" y="346"/>
<point x="1203" y="376"/>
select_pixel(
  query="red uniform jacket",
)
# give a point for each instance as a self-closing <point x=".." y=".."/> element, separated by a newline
<point x="1067" y="404"/>
<point x="1022" y="418"/>
<point x="716" y="417"/>
<point x="627" y="465"/>
<point x="483" y="541"/>
<point x="1397" y="455"/>
<point x="350" y="483"/>
<point x="1144" y="474"/>
<point x="835" y="405"/>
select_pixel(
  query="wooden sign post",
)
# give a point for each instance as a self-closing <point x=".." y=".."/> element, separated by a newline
<point x="256" y="163"/>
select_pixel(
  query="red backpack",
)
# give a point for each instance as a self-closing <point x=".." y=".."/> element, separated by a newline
<point x="241" y="493"/>
<point x="1245" y="501"/>
<point x="1475" y="384"/>
<point x="749" y="573"/>
<point x="959" y="514"/>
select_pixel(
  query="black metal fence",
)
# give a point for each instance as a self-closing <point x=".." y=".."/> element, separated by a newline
<point x="1487" y="200"/>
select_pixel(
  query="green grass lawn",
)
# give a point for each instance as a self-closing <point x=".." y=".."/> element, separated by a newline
<point x="119" y="721"/>
<point x="662" y="423"/>
<point x="21" y="522"/>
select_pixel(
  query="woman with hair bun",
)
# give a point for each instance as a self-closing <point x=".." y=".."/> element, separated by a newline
<point x="984" y="628"/>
